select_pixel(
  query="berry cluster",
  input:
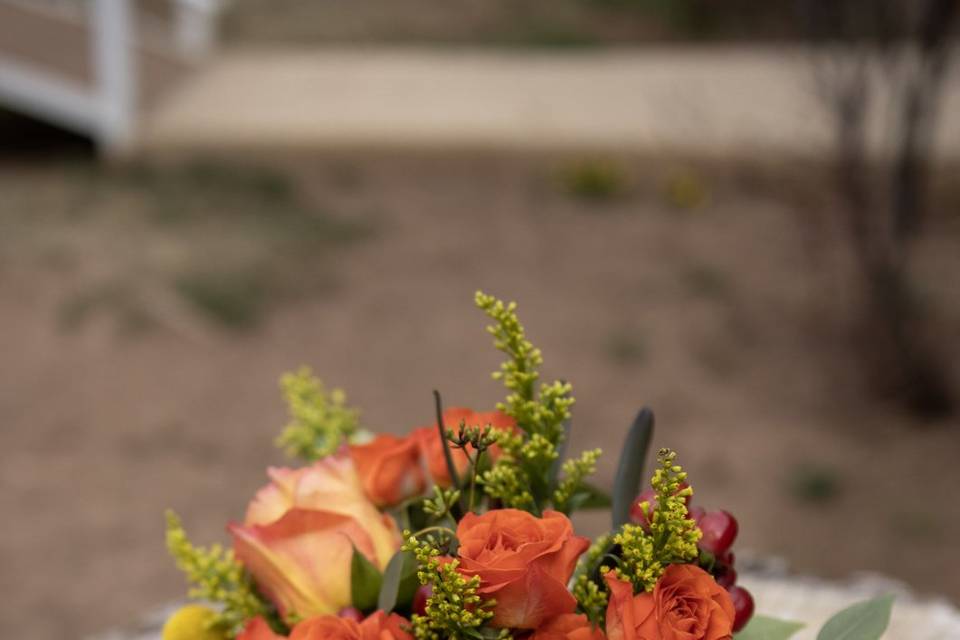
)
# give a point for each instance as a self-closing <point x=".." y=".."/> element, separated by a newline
<point x="719" y="530"/>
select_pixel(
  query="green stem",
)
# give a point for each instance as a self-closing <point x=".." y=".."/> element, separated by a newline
<point x="446" y="530"/>
<point x="451" y="467"/>
<point x="475" y="463"/>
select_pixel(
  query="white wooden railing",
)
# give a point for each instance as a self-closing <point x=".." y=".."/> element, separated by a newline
<point x="106" y="104"/>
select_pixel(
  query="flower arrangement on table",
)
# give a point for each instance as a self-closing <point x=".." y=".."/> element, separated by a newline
<point x="461" y="530"/>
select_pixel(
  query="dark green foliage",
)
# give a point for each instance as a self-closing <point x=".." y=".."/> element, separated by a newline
<point x="365" y="582"/>
<point x="630" y="469"/>
<point x="233" y="299"/>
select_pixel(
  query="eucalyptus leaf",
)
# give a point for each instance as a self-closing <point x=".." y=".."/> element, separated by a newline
<point x="590" y="497"/>
<point x="766" y="628"/>
<point x="365" y="582"/>
<point x="862" y="621"/>
<point x="399" y="582"/>
<point x="630" y="469"/>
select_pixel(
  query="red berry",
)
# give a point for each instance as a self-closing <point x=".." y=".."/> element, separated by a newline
<point x="742" y="605"/>
<point x="351" y="613"/>
<point x="420" y="600"/>
<point x="719" y="531"/>
<point x="726" y="576"/>
<point x="726" y="559"/>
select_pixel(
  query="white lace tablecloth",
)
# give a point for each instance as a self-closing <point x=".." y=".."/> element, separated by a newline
<point x="812" y="601"/>
<point x="777" y="593"/>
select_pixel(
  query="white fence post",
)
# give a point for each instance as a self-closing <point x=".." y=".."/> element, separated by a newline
<point x="114" y="63"/>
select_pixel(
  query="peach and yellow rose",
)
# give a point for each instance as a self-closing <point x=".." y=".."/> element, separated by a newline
<point x="389" y="469"/>
<point x="686" y="603"/>
<point x="431" y="446"/>
<point x="300" y="531"/>
<point x="524" y="562"/>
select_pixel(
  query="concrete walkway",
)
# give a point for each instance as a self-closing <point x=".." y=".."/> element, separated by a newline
<point x="701" y="101"/>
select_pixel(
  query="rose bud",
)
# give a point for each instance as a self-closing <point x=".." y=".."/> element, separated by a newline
<point x="389" y="469"/>
<point x="351" y="613"/>
<point x="637" y="515"/>
<point x="696" y="514"/>
<point x="650" y="497"/>
<point x="420" y="599"/>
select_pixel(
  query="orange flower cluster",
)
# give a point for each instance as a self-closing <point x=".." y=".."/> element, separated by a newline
<point x="300" y="533"/>
<point x="319" y="553"/>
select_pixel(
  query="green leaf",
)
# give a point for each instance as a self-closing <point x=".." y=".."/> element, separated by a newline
<point x="766" y="628"/>
<point x="399" y="582"/>
<point x="629" y="475"/>
<point x="365" y="582"/>
<point x="590" y="497"/>
<point x="862" y="621"/>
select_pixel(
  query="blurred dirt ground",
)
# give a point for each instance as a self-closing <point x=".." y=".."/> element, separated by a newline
<point x="149" y="310"/>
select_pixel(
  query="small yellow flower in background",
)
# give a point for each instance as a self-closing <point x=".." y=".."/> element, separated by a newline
<point x="686" y="189"/>
<point x="191" y="623"/>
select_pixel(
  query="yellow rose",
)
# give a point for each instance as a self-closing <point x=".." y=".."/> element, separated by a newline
<point x="191" y="622"/>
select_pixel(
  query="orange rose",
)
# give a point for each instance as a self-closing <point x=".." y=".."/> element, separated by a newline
<point x="300" y="532"/>
<point x="389" y="468"/>
<point x="686" y="603"/>
<point x="431" y="447"/>
<point x="258" y="629"/>
<point x="378" y="626"/>
<point x="523" y="561"/>
<point x="569" y="626"/>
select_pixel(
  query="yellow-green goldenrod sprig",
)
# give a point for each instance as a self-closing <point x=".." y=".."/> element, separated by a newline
<point x="520" y="373"/>
<point x="671" y="536"/>
<point x="441" y="504"/>
<point x="591" y="599"/>
<point x="320" y="420"/>
<point x="575" y="472"/>
<point x="454" y="610"/>
<point x="525" y="475"/>
<point x="215" y="576"/>
<point x="588" y="587"/>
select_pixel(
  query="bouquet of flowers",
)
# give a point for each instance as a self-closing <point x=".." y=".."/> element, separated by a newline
<point x="461" y="530"/>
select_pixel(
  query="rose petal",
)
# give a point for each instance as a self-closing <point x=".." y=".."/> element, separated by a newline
<point x="527" y="603"/>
